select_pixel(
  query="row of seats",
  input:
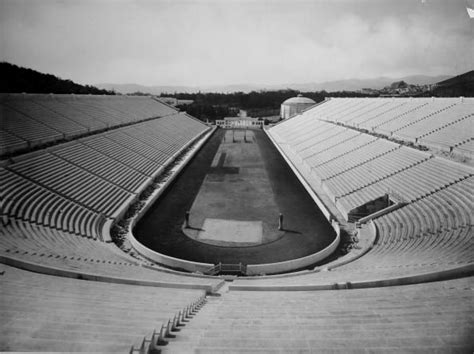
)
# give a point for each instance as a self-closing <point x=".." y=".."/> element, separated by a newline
<point x="431" y="317"/>
<point x="26" y="129"/>
<point x="433" y="231"/>
<point x="424" y="113"/>
<point x="101" y="172"/>
<point x="56" y="201"/>
<point x="447" y="209"/>
<point x="460" y="132"/>
<point x="101" y="165"/>
<point x="466" y="148"/>
<point x="355" y="168"/>
<point x="20" y="237"/>
<point x="72" y="182"/>
<point x="28" y="201"/>
<point x="433" y="122"/>
<point x="34" y="120"/>
<point x="372" y="171"/>
<point x="356" y="156"/>
<point x="410" y="184"/>
<point x="44" y="313"/>
<point x="70" y="252"/>
<point x="409" y="119"/>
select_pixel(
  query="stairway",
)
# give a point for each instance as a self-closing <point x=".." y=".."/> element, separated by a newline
<point x="189" y="337"/>
<point x="423" y="317"/>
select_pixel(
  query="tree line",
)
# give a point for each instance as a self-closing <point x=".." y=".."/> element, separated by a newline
<point x="16" y="79"/>
<point x="212" y="105"/>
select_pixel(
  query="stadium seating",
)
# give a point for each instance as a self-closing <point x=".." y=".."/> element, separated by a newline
<point x="10" y="142"/>
<point x="410" y="184"/>
<point x="25" y="128"/>
<point x="100" y="152"/>
<point x="371" y="172"/>
<point x="415" y="318"/>
<point x="72" y="254"/>
<point x="102" y="165"/>
<point x="459" y="133"/>
<point x="435" y="122"/>
<point x="101" y="173"/>
<point x="466" y="149"/>
<point x="55" y="314"/>
<point x="55" y="202"/>
<point x="442" y="123"/>
<point x="422" y="113"/>
<point x="318" y="140"/>
<point x="29" y="201"/>
<point x="356" y="156"/>
<point x="433" y="231"/>
<point x="72" y="182"/>
<point x="39" y="119"/>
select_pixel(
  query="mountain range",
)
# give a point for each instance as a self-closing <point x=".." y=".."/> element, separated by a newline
<point x="329" y="86"/>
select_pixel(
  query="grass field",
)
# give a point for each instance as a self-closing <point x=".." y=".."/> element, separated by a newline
<point x="235" y="188"/>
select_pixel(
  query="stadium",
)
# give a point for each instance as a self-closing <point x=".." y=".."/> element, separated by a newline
<point x="129" y="226"/>
<point x="189" y="176"/>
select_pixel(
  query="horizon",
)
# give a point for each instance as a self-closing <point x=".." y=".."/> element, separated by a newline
<point x="207" y="43"/>
<point x="350" y="85"/>
<point x="283" y="83"/>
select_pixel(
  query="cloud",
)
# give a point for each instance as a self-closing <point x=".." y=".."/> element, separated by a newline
<point x="209" y="42"/>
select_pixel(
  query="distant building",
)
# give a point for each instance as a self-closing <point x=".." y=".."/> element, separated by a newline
<point x="174" y="101"/>
<point x="242" y="113"/>
<point x="239" y="122"/>
<point x="401" y="88"/>
<point x="368" y="91"/>
<point x="295" y="105"/>
<point x="272" y="119"/>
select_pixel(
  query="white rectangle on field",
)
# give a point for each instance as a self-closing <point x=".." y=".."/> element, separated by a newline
<point x="231" y="231"/>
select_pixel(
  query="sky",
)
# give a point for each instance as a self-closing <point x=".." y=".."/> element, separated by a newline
<point x="203" y="42"/>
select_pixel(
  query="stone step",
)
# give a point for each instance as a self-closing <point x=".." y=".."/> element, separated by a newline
<point x="297" y="332"/>
<point x="59" y="301"/>
<point x="85" y="312"/>
<point x="60" y="322"/>
<point x="13" y="333"/>
<point x="444" y="323"/>
<point x="25" y="344"/>
<point x="293" y="345"/>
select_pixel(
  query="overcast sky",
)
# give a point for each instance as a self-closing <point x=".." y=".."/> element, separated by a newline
<point x="232" y="42"/>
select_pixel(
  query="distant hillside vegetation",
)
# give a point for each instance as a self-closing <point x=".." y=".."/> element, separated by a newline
<point x="461" y="85"/>
<point x="212" y="106"/>
<point x="16" y="79"/>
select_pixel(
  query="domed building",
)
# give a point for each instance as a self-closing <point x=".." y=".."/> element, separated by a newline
<point x="295" y="105"/>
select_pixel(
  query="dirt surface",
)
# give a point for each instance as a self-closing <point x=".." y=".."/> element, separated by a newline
<point x="235" y="194"/>
<point x="266" y="187"/>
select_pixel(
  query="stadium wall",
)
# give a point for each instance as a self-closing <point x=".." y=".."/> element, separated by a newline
<point x="298" y="263"/>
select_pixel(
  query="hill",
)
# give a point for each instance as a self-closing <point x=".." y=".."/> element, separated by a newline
<point x="461" y="85"/>
<point x="16" y="79"/>
<point x="329" y="86"/>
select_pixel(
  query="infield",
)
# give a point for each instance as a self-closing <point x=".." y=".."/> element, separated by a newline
<point x="231" y="231"/>
<point x="234" y="190"/>
<point x="236" y="198"/>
